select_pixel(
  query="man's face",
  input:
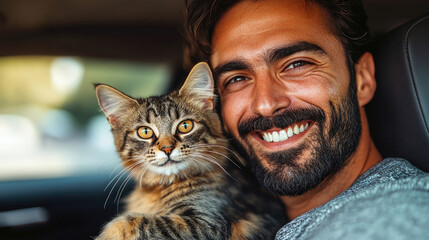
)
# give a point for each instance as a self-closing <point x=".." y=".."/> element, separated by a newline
<point x="285" y="91"/>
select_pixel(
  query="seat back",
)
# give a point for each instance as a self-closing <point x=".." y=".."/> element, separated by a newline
<point x="399" y="113"/>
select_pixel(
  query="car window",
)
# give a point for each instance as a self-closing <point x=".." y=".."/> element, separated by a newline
<point x="50" y="121"/>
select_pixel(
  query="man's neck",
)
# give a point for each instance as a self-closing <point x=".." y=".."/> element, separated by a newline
<point x="365" y="157"/>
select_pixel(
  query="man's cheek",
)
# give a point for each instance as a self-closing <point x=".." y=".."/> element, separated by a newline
<point x="227" y="119"/>
<point x="228" y="115"/>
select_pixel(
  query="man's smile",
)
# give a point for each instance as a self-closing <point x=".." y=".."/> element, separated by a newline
<point x="277" y="138"/>
<point x="284" y="134"/>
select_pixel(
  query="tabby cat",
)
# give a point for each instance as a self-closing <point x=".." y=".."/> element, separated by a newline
<point x="187" y="184"/>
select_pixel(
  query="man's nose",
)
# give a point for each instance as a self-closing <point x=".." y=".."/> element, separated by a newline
<point x="270" y="95"/>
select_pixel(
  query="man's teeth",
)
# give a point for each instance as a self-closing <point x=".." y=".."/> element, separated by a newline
<point x="282" y="135"/>
<point x="296" y="129"/>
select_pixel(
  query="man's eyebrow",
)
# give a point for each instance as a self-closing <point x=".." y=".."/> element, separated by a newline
<point x="282" y="52"/>
<point x="230" y="66"/>
<point x="272" y="56"/>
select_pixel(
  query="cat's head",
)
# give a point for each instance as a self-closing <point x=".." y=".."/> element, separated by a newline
<point x="163" y="138"/>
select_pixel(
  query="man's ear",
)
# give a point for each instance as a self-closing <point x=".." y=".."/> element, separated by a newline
<point x="365" y="79"/>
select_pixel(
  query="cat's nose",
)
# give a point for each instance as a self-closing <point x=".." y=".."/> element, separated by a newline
<point x="167" y="149"/>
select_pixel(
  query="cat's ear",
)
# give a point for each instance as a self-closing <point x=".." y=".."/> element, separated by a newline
<point x="114" y="104"/>
<point x="200" y="86"/>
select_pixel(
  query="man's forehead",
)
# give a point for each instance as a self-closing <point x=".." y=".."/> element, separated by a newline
<point x="239" y="28"/>
<point x="247" y="13"/>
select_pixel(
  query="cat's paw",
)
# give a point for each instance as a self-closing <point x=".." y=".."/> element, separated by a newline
<point x="125" y="227"/>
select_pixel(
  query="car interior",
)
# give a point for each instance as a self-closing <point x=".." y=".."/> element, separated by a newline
<point x="60" y="177"/>
<point x="399" y="111"/>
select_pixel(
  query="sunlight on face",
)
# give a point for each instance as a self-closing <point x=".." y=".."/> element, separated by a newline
<point x="288" y="61"/>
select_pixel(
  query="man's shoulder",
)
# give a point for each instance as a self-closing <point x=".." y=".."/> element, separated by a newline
<point x="392" y="210"/>
<point x="390" y="169"/>
<point x="390" y="201"/>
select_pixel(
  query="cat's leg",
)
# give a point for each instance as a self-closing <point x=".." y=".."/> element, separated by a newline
<point x="143" y="226"/>
<point x="122" y="227"/>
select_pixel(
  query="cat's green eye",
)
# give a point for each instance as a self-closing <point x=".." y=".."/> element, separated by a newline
<point x="185" y="126"/>
<point x="145" y="132"/>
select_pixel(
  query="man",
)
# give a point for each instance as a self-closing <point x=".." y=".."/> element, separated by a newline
<point x="293" y="80"/>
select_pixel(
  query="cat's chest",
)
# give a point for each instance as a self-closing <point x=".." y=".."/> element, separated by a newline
<point x="148" y="203"/>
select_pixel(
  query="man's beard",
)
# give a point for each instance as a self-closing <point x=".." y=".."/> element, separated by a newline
<point x="329" y="148"/>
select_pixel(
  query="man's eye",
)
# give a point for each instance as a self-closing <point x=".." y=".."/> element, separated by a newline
<point x="236" y="79"/>
<point x="297" y="64"/>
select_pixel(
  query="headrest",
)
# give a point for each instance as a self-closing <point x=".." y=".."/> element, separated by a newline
<point x="399" y="113"/>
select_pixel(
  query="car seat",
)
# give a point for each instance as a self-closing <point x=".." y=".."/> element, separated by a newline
<point x="399" y="112"/>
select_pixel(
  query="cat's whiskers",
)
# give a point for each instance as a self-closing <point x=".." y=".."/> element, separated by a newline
<point x="142" y="175"/>
<point x="119" y="176"/>
<point x="199" y="165"/>
<point x="220" y="146"/>
<point x="223" y="147"/>
<point x="193" y="161"/>
<point x="226" y="139"/>
<point x="212" y="160"/>
<point x="125" y="169"/>
<point x="221" y="154"/>
<point x="120" y="165"/>
<point x="134" y="171"/>
<point x="121" y="189"/>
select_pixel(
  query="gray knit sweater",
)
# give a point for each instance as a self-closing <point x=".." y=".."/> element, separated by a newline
<point x="389" y="201"/>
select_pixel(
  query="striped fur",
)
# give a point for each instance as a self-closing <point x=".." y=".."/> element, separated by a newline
<point x="199" y="192"/>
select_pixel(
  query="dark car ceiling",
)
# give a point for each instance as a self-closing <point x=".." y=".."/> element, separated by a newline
<point x="26" y="25"/>
<point x="383" y="15"/>
<point x="24" y="15"/>
<point x="129" y="29"/>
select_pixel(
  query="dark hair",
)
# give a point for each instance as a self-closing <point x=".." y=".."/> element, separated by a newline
<point x="348" y="18"/>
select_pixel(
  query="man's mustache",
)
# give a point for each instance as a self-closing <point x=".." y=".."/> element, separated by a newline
<point x="281" y="120"/>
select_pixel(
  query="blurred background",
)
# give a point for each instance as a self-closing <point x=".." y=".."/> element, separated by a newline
<point x="51" y="53"/>
<point x="50" y="123"/>
<point x="56" y="150"/>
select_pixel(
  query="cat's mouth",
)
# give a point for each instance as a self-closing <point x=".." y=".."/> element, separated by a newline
<point x="167" y="162"/>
